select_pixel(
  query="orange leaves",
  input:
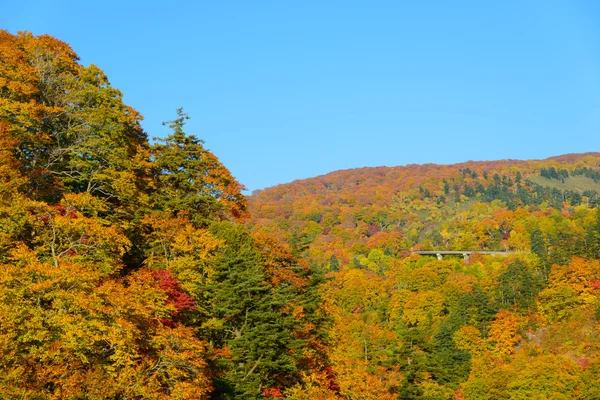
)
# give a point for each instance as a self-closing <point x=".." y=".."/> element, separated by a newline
<point x="423" y="308"/>
<point x="78" y="332"/>
<point x="72" y="131"/>
<point x="227" y="189"/>
<point x="468" y="338"/>
<point x="504" y="332"/>
<point x="31" y="65"/>
<point x="365" y="217"/>
<point x="389" y="240"/>
<point x="356" y="381"/>
<point x="10" y="178"/>
<point x="571" y="287"/>
<point x="63" y="232"/>
<point x="108" y="272"/>
<point x="280" y="265"/>
<point x="176" y="243"/>
<point x="316" y="385"/>
<point x="578" y="274"/>
<point x="273" y="393"/>
<point x="16" y="75"/>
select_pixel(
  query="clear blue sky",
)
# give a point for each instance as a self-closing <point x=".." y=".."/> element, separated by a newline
<point x="282" y="90"/>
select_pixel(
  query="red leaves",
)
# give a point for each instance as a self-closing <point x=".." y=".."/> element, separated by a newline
<point x="46" y="215"/>
<point x="273" y="393"/>
<point x="175" y="294"/>
<point x="68" y="212"/>
<point x="332" y="383"/>
<point x="582" y="362"/>
<point x="359" y="309"/>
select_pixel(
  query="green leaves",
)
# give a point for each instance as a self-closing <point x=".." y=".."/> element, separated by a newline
<point x="111" y="285"/>
<point x="191" y="178"/>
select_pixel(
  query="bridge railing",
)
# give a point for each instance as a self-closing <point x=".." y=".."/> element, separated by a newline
<point x="465" y="253"/>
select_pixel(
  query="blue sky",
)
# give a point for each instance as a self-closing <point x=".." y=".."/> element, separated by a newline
<point x="284" y="90"/>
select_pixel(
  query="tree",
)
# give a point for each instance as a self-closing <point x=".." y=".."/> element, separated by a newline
<point x="504" y="332"/>
<point x="125" y="271"/>
<point x="259" y="322"/>
<point x="540" y="248"/>
<point x="517" y="286"/>
<point x="191" y="178"/>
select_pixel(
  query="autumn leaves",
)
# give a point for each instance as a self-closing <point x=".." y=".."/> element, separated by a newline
<point x="124" y="272"/>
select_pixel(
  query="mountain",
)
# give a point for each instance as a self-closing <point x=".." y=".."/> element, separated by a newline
<point x="416" y="203"/>
<point x="521" y="323"/>
<point x="138" y="270"/>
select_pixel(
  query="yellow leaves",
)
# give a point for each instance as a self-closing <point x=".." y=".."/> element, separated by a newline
<point x="433" y="390"/>
<point x="571" y="287"/>
<point x="431" y="275"/>
<point x="199" y="241"/>
<point x="178" y="246"/>
<point x="578" y="274"/>
<point x="123" y="183"/>
<point x="62" y="232"/>
<point x="84" y="203"/>
<point x="180" y="365"/>
<point x="504" y="332"/>
<point x="518" y="238"/>
<point x="357" y="382"/>
<point x="360" y="288"/>
<point x="558" y="302"/>
<point x="315" y="385"/>
<point x="83" y="332"/>
<point x="361" y="343"/>
<point x="186" y="251"/>
<point x="529" y="375"/>
<point x="22" y="255"/>
<point x="468" y="338"/>
<point x="423" y="308"/>
<point x="397" y="301"/>
<point x="456" y="286"/>
<point x="176" y="243"/>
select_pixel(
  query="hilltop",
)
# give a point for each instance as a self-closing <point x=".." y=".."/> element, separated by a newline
<point x="516" y="325"/>
<point x="413" y="202"/>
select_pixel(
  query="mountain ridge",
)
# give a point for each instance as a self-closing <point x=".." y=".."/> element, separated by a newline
<point x="561" y="158"/>
<point x="413" y="326"/>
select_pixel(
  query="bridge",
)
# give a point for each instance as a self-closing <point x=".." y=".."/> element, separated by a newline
<point x="465" y="253"/>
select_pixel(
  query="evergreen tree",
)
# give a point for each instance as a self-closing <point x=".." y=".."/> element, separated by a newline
<point x="517" y="287"/>
<point x="592" y="237"/>
<point x="539" y="247"/>
<point x="191" y="178"/>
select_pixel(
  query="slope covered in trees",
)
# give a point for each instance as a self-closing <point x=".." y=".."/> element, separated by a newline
<point x="132" y="269"/>
<point x="519" y="325"/>
<point x="125" y="271"/>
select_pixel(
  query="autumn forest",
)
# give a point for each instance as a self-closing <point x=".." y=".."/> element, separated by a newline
<point x="134" y="267"/>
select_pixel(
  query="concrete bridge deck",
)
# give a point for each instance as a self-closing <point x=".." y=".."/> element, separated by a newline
<point x="465" y="253"/>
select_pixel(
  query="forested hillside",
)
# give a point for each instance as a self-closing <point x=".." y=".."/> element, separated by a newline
<point x="125" y="271"/>
<point x="522" y="324"/>
<point x="136" y="269"/>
